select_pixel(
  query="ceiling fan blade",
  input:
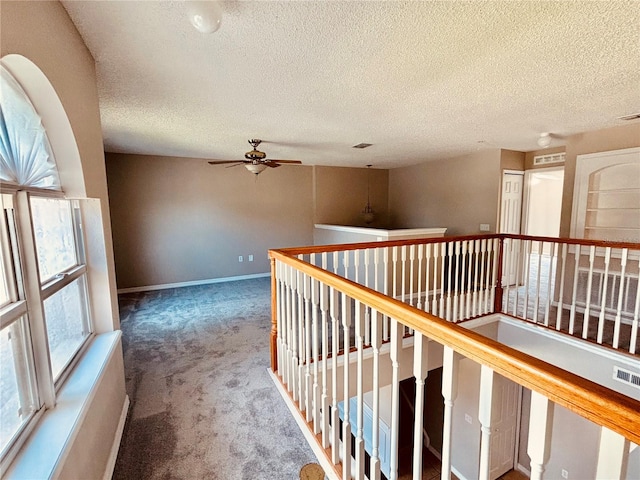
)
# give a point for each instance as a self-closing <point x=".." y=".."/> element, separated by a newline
<point x="271" y="163"/>
<point x="297" y="162"/>
<point x="221" y="162"/>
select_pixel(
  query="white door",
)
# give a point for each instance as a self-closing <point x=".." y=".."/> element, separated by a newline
<point x="504" y="422"/>
<point x="511" y="214"/>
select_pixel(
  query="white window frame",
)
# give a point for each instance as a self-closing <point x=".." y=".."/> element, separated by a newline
<point x="27" y="295"/>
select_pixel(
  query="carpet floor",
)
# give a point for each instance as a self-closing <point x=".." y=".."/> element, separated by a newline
<point x="202" y="403"/>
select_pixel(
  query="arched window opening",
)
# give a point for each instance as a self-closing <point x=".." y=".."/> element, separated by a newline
<point x="26" y="157"/>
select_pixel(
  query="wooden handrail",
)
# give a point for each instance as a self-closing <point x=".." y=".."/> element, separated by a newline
<point x="595" y="402"/>
<point x="573" y="241"/>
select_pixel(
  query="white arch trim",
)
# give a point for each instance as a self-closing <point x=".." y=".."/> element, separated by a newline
<point x="54" y="119"/>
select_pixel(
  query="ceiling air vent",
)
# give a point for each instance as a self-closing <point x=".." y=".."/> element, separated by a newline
<point x="548" y="159"/>
<point x="633" y="116"/>
<point x="362" y="145"/>
<point x="625" y="376"/>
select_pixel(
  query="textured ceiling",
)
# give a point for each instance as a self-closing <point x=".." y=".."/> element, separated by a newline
<point x="419" y="80"/>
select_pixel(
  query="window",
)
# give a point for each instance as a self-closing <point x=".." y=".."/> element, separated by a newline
<point x="44" y="312"/>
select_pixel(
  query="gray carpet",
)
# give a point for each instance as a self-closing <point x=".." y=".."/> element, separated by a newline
<point x="202" y="403"/>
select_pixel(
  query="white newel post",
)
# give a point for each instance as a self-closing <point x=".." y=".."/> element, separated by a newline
<point x="450" y="364"/>
<point x="346" y="423"/>
<point x="420" y="372"/>
<point x="484" y="416"/>
<point x="540" y="422"/>
<point x="613" y="455"/>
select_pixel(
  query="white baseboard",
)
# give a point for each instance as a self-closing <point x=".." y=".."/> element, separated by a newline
<point x="113" y="455"/>
<point x="194" y="283"/>
<point x="522" y="469"/>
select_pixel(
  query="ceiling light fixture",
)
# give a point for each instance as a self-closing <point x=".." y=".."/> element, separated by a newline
<point x="255" y="167"/>
<point x="545" y="140"/>
<point x="367" y="213"/>
<point x="205" y="16"/>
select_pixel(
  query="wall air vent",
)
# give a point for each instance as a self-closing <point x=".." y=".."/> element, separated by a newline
<point x="633" y="116"/>
<point x="362" y="145"/>
<point x="625" y="376"/>
<point x="549" y="159"/>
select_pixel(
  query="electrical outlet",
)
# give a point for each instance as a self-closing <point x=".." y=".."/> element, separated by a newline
<point x="485" y="227"/>
<point x="467" y="418"/>
<point x="240" y="259"/>
<point x="251" y="258"/>
<point x="564" y="473"/>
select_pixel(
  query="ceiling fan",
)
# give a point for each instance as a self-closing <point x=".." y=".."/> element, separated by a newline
<point x="256" y="161"/>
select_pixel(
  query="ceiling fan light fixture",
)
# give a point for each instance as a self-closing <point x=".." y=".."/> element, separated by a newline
<point x="255" y="168"/>
<point x="545" y="140"/>
<point x="205" y="16"/>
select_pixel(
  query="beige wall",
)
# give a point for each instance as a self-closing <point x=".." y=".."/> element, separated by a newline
<point x="181" y="220"/>
<point x="512" y="160"/>
<point x="341" y="195"/>
<point x="616" y="138"/>
<point x="44" y="33"/>
<point x="458" y="193"/>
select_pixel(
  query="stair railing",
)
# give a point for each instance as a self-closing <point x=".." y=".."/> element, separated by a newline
<point x="350" y="320"/>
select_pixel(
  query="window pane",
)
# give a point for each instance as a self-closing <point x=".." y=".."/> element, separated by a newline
<point x="16" y="387"/>
<point x="55" y="240"/>
<point x="66" y="317"/>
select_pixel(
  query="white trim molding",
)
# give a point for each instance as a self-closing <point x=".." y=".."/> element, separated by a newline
<point x="194" y="283"/>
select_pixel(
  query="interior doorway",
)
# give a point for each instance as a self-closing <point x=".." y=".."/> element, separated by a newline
<point x="543" y="202"/>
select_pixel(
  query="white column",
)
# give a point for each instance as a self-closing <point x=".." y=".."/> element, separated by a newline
<point x="613" y="455"/>
<point x="484" y="415"/>
<point x="450" y="364"/>
<point x="539" y="445"/>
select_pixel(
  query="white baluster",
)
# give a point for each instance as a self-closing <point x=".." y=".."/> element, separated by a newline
<point x="484" y="415"/>
<point x="536" y="303"/>
<point x="301" y="337"/>
<point x="574" y="296"/>
<point x="494" y="273"/>
<point x="290" y="330"/>
<point x="450" y="255"/>
<point x="315" y="300"/>
<point x="585" y="323"/>
<point x="324" y="307"/>
<point x="335" y="345"/>
<point x="636" y="314"/>
<point x="561" y="289"/>
<point x="613" y="455"/>
<point x="395" y="346"/>
<point x="359" y="443"/>
<point x="280" y="319"/>
<point x="376" y="342"/>
<point x="385" y="257"/>
<point x="367" y="321"/>
<point x="607" y="260"/>
<point x="527" y="263"/>
<point x="457" y="282"/>
<point x="539" y="445"/>
<point x="403" y="250"/>
<point x="518" y="264"/>
<point x="469" y="262"/>
<point x="550" y="281"/>
<point x="427" y="271"/>
<point x="443" y="248"/>
<point x="420" y="371"/>
<point x="346" y="423"/>
<point x="621" y="290"/>
<point x="483" y="277"/>
<point x="475" y="311"/>
<point x="420" y="257"/>
<point x="450" y="364"/>
<point x="308" y="401"/>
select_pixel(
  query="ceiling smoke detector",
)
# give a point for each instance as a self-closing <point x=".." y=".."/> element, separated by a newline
<point x="362" y="145"/>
